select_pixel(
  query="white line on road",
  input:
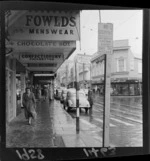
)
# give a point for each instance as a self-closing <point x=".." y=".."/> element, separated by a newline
<point x="125" y="112"/>
<point x="121" y="122"/>
<point x="135" y="120"/>
<point x="101" y="104"/>
<point x="98" y="110"/>
<point x="100" y="120"/>
<point x="129" y="118"/>
<point x="98" y="104"/>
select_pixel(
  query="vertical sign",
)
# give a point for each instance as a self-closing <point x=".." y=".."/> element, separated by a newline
<point x="105" y="38"/>
<point x="105" y="46"/>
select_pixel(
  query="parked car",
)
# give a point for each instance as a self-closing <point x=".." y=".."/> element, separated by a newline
<point x="70" y="102"/>
<point x="63" y="95"/>
<point x="85" y="91"/>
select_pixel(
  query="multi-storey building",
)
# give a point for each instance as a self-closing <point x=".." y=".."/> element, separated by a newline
<point x="64" y="73"/>
<point x="126" y="71"/>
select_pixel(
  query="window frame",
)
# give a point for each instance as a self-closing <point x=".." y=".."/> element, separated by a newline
<point x="145" y="75"/>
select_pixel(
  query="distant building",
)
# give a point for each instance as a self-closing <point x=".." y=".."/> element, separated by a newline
<point x="83" y="70"/>
<point x="126" y="71"/>
<point x="64" y="73"/>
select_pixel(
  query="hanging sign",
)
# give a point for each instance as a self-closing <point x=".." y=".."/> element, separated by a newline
<point x="83" y="59"/>
<point x="41" y="58"/>
<point x="26" y="45"/>
<point x="43" y="65"/>
<point x="46" y="25"/>
<point x="105" y="38"/>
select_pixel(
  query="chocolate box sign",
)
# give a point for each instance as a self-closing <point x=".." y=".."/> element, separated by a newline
<point x="59" y="25"/>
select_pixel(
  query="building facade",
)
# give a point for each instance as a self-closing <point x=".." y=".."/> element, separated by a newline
<point x="126" y="71"/>
<point x="64" y="73"/>
<point x="84" y="70"/>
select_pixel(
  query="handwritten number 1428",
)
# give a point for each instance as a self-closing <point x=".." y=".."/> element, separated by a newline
<point x="31" y="154"/>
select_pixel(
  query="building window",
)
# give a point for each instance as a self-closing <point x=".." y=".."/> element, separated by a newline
<point x="121" y="66"/>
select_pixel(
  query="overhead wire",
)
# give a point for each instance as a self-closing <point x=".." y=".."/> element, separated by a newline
<point x="126" y="20"/>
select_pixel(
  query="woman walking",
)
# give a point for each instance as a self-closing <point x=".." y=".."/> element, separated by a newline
<point x="45" y="93"/>
<point x="29" y="103"/>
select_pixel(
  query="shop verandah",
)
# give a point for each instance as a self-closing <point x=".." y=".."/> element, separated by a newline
<point x="29" y="53"/>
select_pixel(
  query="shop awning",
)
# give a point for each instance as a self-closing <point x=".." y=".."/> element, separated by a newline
<point x="42" y="40"/>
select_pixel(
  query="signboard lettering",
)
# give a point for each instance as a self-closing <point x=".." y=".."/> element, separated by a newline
<point x="43" y="65"/>
<point x="27" y="45"/>
<point x="59" y="21"/>
<point x="46" y="26"/>
<point x="44" y="43"/>
<point x="105" y="38"/>
<point x="48" y="31"/>
<point x="40" y="57"/>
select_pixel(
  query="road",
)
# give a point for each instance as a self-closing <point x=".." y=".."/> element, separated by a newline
<point x="125" y="120"/>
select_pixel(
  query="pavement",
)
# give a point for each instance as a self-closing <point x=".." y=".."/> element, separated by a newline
<point x="54" y="127"/>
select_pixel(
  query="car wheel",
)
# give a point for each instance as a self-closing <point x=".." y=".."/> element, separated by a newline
<point x="68" y="109"/>
<point x="80" y="110"/>
<point x="64" y="106"/>
<point x="86" y="110"/>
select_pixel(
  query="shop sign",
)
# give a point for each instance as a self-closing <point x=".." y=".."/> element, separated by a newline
<point x="46" y="25"/>
<point x="25" y="45"/>
<point x="105" y="38"/>
<point x="43" y="65"/>
<point x="41" y="58"/>
<point x="41" y="69"/>
<point x="83" y="59"/>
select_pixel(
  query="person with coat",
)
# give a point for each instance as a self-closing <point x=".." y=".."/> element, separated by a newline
<point x="45" y="93"/>
<point x="29" y="104"/>
<point x="90" y="97"/>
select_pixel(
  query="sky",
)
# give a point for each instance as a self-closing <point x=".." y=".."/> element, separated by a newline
<point x="127" y="24"/>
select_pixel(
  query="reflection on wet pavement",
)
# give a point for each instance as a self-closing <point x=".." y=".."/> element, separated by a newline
<point x="39" y="134"/>
<point x="54" y="126"/>
<point x="125" y="121"/>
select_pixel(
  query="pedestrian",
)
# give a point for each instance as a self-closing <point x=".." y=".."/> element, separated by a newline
<point x="29" y="104"/>
<point x="45" y="93"/>
<point x="90" y="97"/>
<point x="56" y="94"/>
<point x="49" y="93"/>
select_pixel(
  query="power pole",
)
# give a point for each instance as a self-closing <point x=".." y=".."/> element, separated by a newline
<point x="77" y="99"/>
<point x="83" y="75"/>
<point x="99" y="16"/>
<point x="66" y="75"/>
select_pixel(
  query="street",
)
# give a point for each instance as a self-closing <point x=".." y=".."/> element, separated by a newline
<point x="125" y="120"/>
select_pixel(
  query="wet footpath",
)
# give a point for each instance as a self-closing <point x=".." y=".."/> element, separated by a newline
<point x="54" y="127"/>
